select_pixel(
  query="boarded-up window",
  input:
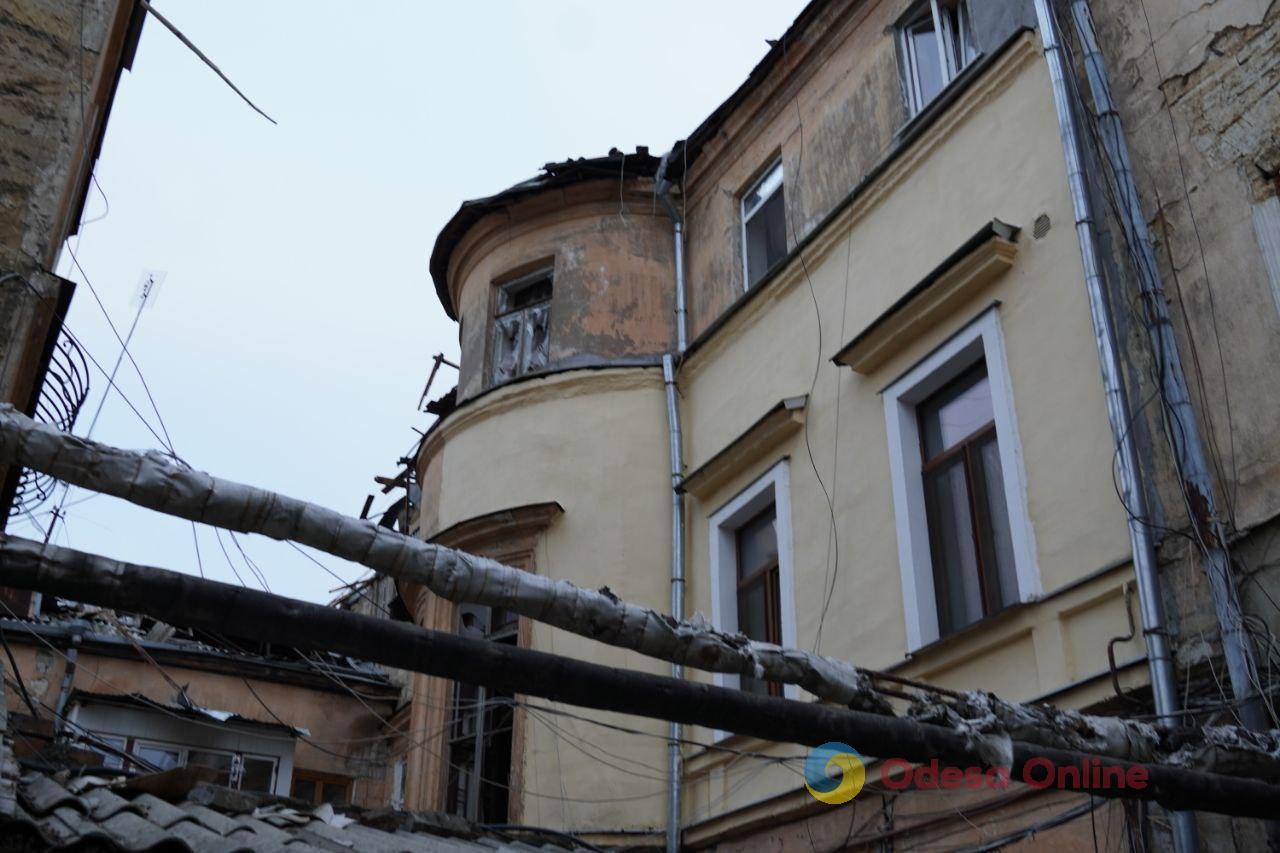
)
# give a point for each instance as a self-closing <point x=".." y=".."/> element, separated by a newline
<point x="520" y="327"/>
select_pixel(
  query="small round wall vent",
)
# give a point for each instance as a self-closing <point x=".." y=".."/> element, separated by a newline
<point x="1041" y="226"/>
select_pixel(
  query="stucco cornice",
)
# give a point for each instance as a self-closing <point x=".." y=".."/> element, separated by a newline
<point x="558" y="386"/>
<point x="519" y="524"/>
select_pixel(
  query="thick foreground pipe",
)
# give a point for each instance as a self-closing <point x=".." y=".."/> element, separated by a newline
<point x="156" y="481"/>
<point x="225" y="609"/>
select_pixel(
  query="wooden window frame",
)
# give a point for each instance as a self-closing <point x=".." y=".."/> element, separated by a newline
<point x="766" y="575"/>
<point x="771" y="487"/>
<point x="979" y="340"/>
<point x="980" y="522"/>
<point x="321" y="778"/>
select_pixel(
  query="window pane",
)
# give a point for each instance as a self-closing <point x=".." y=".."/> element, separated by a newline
<point x="956" y="412"/>
<point x="535" y="338"/>
<point x="523" y="295"/>
<point x="258" y="775"/>
<point x="506" y="347"/>
<point x="962" y="50"/>
<point x="218" y="762"/>
<point x="752" y="617"/>
<point x="758" y="543"/>
<point x="767" y="186"/>
<point x="753" y="623"/>
<point x="766" y="235"/>
<point x="160" y="757"/>
<point x="108" y="759"/>
<point x="1002" y="576"/>
<point x="925" y="60"/>
<point x="955" y="559"/>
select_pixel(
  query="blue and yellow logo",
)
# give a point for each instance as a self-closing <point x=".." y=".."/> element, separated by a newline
<point x="834" y="773"/>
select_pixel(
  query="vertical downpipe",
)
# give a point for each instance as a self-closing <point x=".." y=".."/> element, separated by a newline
<point x="1192" y="465"/>
<point x="1163" y="683"/>
<point x="674" y="731"/>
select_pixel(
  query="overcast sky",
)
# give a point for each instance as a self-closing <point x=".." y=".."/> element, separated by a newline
<point x="292" y="336"/>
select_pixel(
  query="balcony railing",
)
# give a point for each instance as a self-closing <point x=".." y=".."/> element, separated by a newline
<point x="66" y="386"/>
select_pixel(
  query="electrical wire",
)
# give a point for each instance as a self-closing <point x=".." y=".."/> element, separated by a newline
<point x="833" y="530"/>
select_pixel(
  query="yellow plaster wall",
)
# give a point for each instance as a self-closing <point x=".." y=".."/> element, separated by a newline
<point x="964" y="172"/>
<point x="595" y="441"/>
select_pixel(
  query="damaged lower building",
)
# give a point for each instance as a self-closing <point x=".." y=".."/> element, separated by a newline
<point x="119" y="692"/>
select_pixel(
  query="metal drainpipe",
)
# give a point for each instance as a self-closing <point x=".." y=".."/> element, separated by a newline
<point x="1188" y="444"/>
<point x="662" y="188"/>
<point x="676" y="445"/>
<point x="677" y="594"/>
<point x="1163" y="681"/>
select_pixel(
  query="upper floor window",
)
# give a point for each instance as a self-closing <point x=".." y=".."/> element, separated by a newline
<point x="520" y="326"/>
<point x="968" y="516"/>
<point x="965" y="540"/>
<point x="764" y="225"/>
<point x="936" y="43"/>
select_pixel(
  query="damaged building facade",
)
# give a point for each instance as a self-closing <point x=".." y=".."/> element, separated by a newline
<point x="826" y="373"/>
<point x="60" y="65"/>
<point x="114" y="692"/>
<point x="892" y="443"/>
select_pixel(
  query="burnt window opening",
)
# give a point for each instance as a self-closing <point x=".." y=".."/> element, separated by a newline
<point x="935" y="42"/>
<point x="764" y="226"/>
<point x="480" y="729"/>
<point x="969" y="535"/>
<point x="520" y="326"/>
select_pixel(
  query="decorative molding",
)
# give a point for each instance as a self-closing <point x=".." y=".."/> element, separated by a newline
<point x="553" y="386"/>
<point x="978" y="340"/>
<point x="981" y="260"/>
<point x="758" y="439"/>
<point x="503" y="531"/>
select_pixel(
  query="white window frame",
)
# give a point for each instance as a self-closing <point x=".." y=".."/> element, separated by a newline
<point x="773" y="487"/>
<point x="947" y="39"/>
<point x="107" y="720"/>
<point x="235" y="774"/>
<point x="979" y="340"/>
<point x="746" y="214"/>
